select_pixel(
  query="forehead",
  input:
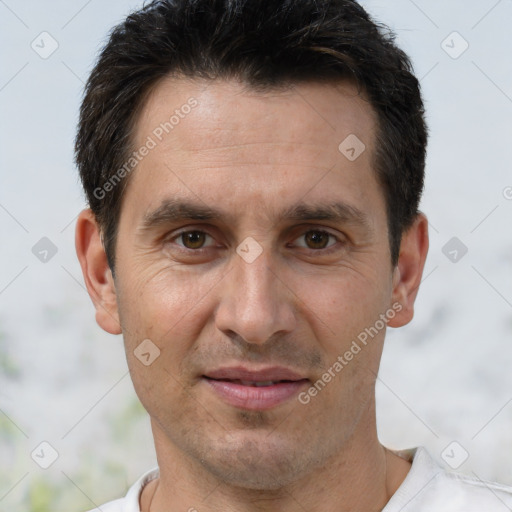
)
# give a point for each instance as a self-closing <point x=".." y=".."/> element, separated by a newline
<point x="226" y="110"/>
<point x="218" y="140"/>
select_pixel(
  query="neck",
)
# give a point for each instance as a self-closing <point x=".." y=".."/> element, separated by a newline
<point x="362" y="477"/>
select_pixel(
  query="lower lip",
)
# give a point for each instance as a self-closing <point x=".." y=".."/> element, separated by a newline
<point x="253" y="397"/>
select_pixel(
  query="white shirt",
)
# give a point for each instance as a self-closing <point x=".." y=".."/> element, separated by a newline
<point x="426" y="488"/>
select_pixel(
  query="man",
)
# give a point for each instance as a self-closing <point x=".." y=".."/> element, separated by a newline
<point x="254" y="171"/>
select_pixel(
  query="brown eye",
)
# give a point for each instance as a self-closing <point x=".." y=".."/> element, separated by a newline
<point x="193" y="239"/>
<point x="317" y="239"/>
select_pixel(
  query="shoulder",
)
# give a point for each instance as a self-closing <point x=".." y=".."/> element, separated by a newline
<point x="111" y="506"/>
<point x="429" y="488"/>
<point x="130" y="503"/>
<point x="453" y="492"/>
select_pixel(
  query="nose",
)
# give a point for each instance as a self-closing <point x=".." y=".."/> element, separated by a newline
<point x="255" y="304"/>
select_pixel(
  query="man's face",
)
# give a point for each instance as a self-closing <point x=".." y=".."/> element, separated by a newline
<point x="265" y="286"/>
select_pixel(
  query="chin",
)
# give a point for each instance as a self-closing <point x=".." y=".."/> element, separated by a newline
<point x="256" y="462"/>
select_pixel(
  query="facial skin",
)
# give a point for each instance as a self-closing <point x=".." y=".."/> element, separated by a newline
<point x="300" y="304"/>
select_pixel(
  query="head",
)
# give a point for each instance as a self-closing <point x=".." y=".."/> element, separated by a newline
<point x="286" y="140"/>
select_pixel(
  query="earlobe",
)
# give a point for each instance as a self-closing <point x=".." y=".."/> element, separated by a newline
<point x="409" y="270"/>
<point x="96" y="271"/>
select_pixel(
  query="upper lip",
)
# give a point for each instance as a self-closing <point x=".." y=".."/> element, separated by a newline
<point x="269" y="373"/>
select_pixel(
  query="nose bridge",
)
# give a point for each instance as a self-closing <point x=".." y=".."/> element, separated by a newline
<point x="257" y="281"/>
<point x="255" y="305"/>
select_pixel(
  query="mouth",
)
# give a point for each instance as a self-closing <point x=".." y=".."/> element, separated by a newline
<point x="257" y="384"/>
<point x="261" y="389"/>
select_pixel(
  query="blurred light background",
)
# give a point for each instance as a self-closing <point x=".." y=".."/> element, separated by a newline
<point x="445" y="378"/>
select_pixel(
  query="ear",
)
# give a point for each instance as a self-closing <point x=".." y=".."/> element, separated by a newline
<point x="408" y="271"/>
<point x="97" y="274"/>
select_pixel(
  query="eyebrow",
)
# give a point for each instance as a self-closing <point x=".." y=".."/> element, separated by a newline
<point x="173" y="210"/>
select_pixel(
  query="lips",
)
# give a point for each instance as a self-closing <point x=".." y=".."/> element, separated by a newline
<point x="257" y="384"/>
<point x="255" y="389"/>
<point x="271" y="373"/>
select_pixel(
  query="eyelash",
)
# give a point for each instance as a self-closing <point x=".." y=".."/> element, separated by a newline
<point x="201" y="250"/>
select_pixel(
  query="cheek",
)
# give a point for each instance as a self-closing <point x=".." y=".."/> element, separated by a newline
<point x="165" y="310"/>
<point x="168" y="306"/>
<point x="341" y="305"/>
<point x="342" y="313"/>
